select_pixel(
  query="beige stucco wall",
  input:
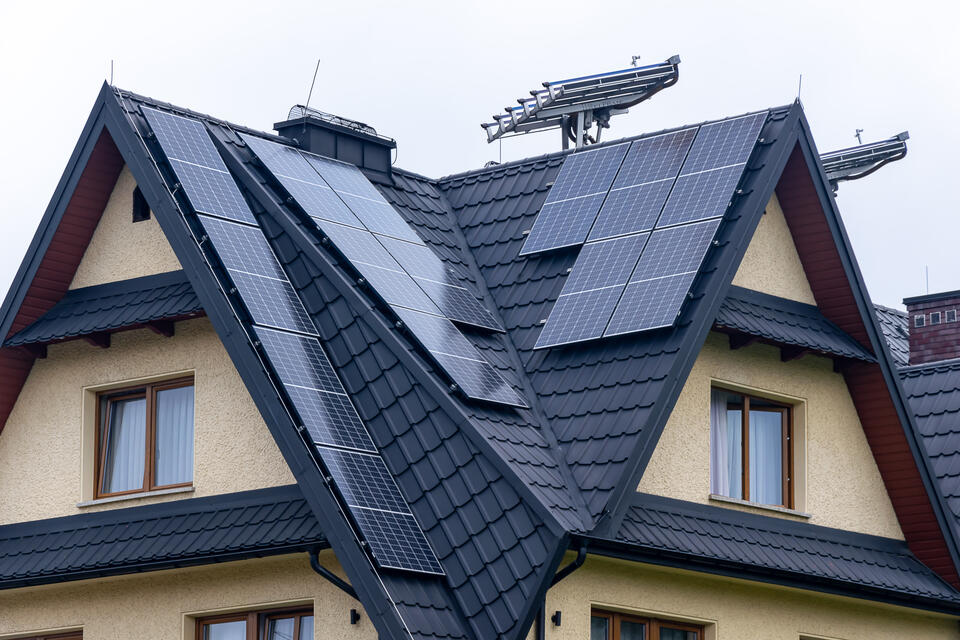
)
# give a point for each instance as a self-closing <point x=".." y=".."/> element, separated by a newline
<point x="159" y="605"/>
<point x="730" y="609"/>
<point x="120" y="248"/>
<point x="43" y="469"/>
<point x="771" y="263"/>
<point x="839" y="481"/>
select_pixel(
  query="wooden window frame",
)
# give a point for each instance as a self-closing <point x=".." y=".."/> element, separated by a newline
<point x="72" y="635"/>
<point x="257" y="620"/>
<point x="149" y="392"/>
<point x="651" y="626"/>
<point x="786" y="444"/>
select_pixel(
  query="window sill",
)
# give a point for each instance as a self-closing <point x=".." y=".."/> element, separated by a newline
<point x="764" y="507"/>
<point x="134" y="496"/>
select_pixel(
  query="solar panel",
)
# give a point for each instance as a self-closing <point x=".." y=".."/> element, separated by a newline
<point x="330" y="419"/>
<point x="298" y="360"/>
<point x="380" y="216"/>
<point x="396" y="541"/>
<point x="241" y="247"/>
<point x="701" y="195"/>
<point x="654" y="158"/>
<point x="592" y="290"/>
<point x="198" y="167"/>
<point x="650" y="304"/>
<point x="631" y="209"/>
<point x="444" y="288"/>
<point x="272" y="303"/>
<point x="361" y="247"/>
<point x="574" y="199"/>
<point x="343" y="177"/>
<point x="724" y="143"/>
<point x="459" y="358"/>
<point x="675" y="250"/>
<point x="368" y="490"/>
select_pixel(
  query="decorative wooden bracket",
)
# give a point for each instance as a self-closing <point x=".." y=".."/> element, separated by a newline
<point x="101" y="340"/>
<point x="162" y="327"/>
<point x="740" y="340"/>
<point x="792" y="353"/>
<point x="38" y="350"/>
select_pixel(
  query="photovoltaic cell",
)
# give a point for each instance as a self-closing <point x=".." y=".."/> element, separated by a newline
<point x="363" y="480"/>
<point x="631" y="209"/>
<point x="198" y="167"/>
<point x="330" y="419"/>
<point x="298" y="360"/>
<point x="701" y="195"/>
<point x="320" y="202"/>
<point x="650" y="304"/>
<point x="361" y="246"/>
<point x="398" y="289"/>
<point x="416" y="259"/>
<point x="724" y="143"/>
<point x="675" y="250"/>
<point x="396" y="540"/>
<point x="458" y="304"/>
<point x="459" y="358"/>
<point x="283" y="161"/>
<point x="606" y="263"/>
<point x="272" y="302"/>
<point x="574" y="199"/>
<point x="654" y="158"/>
<point x="343" y="177"/>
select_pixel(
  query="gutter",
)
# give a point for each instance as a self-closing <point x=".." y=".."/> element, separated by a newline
<point x="557" y="577"/>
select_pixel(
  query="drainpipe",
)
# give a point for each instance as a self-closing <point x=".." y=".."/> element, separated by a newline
<point x="331" y="577"/>
<point x="557" y="577"/>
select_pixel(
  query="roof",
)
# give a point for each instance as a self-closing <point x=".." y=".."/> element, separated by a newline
<point x="781" y="551"/>
<point x="934" y="393"/>
<point x="786" y="322"/>
<point x="126" y="304"/>
<point x="498" y="491"/>
<point x="896" y="330"/>
<point x="159" y="536"/>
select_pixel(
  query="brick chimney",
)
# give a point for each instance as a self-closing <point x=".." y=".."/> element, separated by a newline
<point x="934" y="330"/>
<point x="335" y="137"/>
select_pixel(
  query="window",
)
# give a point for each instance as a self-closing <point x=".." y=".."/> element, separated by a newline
<point x="73" y="635"/>
<point x="258" y="625"/>
<point x="141" y="210"/>
<point x="609" y="625"/>
<point x="951" y="315"/>
<point x="750" y="449"/>
<point x="145" y="438"/>
<point x="919" y="321"/>
<point x="934" y="317"/>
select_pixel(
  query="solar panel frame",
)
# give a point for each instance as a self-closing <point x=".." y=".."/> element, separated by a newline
<point x="363" y="480"/>
<point x="241" y="247"/>
<point x="702" y="195"/>
<point x="724" y="143"/>
<point x="631" y="209"/>
<point x="387" y="532"/>
<point x="184" y="139"/>
<point x="675" y="250"/>
<point x="298" y="361"/>
<point x="650" y="304"/>
<point x="272" y="302"/>
<point x="654" y="158"/>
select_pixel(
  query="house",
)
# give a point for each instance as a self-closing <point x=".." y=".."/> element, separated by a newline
<point x="264" y="385"/>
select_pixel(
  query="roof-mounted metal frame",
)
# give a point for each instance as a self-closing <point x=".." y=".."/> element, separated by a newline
<point x="858" y="162"/>
<point x="576" y="104"/>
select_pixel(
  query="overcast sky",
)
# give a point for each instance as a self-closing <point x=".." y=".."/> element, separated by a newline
<point x="427" y="74"/>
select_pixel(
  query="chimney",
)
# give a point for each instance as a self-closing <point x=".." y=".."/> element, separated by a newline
<point x="335" y="137"/>
<point x="934" y="330"/>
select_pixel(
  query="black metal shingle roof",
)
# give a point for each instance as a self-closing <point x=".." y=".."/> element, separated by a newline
<point x="162" y="536"/>
<point x="896" y="330"/>
<point x="112" y="306"/>
<point x="934" y="394"/>
<point x="843" y="559"/>
<point x="786" y="322"/>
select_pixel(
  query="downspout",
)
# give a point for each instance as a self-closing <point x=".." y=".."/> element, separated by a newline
<point x="331" y="577"/>
<point x="557" y="577"/>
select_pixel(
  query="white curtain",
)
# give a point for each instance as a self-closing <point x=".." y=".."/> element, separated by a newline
<point x="766" y="457"/>
<point x="725" y="445"/>
<point x="174" y="450"/>
<point x="125" y="446"/>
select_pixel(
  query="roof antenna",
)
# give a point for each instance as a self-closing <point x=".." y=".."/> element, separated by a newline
<point x="111" y="72"/>
<point x="926" y="269"/>
<point x="799" y="87"/>
<point x="313" y="82"/>
<point x="857" y="135"/>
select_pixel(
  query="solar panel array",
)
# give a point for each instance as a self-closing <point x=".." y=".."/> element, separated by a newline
<point x="390" y="256"/>
<point x="646" y="241"/>
<point x="289" y="340"/>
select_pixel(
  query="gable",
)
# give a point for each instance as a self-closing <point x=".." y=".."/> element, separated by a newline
<point x="771" y="263"/>
<point x="46" y="448"/>
<point x="836" y="481"/>
<point x="121" y="249"/>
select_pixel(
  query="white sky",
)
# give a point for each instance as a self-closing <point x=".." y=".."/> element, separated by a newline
<point x="427" y="74"/>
